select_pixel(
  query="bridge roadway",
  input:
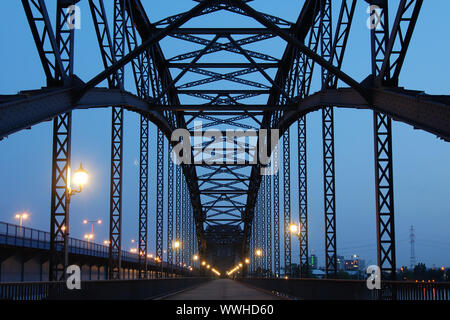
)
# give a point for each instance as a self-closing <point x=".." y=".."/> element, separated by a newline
<point x="223" y="289"/>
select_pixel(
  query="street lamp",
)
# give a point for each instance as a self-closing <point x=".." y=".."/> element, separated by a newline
<point x="134" y="250"/>
<point x="247" y="261"/>
<point x="176" y="244"/>
<point x="21" y="217"/>
<point x="89" y="237"/>
<point x="80" y="178"/>
<point x="295" y="228"/>
<point x="258" y="252"/>
<point x="92" y="223"/>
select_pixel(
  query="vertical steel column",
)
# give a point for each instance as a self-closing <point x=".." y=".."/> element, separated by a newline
<point x="59" y="224"/>
<point x="170" y="177"/>
<point x="384" y="184"/>
<point x="160" y="199"/>
<point x="178" y="214"/>
<point x="256" y="230"/>
<point x="303" y="197"/>
<point x="269" y="225"/>
<point x="115" y="241"/>
<point x="263" y="225"/>
<point x="328" y="148"/>
<point x="116" y="194"/>
<point x="287" y="202"/>
<point x="276" y="216"/>
<point x="259" y="230"/>
<point x="62" y="127"/>
<point x="143" y="185"/>
<point x="183" y="222"/>
<point x="190" y="226"/>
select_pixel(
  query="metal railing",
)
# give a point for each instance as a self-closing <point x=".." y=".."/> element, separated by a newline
<point x="14" y="235"/>
<point x="18" y="236"/>
<point x="30" y="291"/>
<point x="427" y="291"/>
<point x="97" y="290"/>
<point x="327" y="289"/>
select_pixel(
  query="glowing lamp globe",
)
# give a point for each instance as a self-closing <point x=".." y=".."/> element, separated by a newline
<point x="80" y="177"/>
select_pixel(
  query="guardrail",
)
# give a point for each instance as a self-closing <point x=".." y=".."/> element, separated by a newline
<point x="97" y="290"/>
<point x="30" y="291"/>
<point x="428" y="291"/>
<point x="17" y="236"/>
<point x="327" y="289"/>
<point x="14" y="235"/>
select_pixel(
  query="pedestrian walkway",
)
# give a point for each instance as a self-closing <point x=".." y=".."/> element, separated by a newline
<point x="223" y="289"/>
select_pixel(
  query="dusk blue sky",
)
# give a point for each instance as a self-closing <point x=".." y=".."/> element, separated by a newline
<point x="421" y="170"/>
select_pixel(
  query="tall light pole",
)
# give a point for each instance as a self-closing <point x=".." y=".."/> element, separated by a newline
<point x="21" y="217"/>
<point x="91" y="235"/>
<point x="92" y="222"/>
<point x="80" y="179"/>
<point x="296" y="230"/>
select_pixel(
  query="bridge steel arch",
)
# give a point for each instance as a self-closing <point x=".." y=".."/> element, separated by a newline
<point x="222" y="196"/>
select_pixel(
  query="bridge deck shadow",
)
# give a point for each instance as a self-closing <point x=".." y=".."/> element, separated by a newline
<point x="223" y="289"/>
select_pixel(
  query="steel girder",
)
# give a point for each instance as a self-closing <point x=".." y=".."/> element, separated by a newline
<point x="170" y="179"/>
<point x="276" y="217"/>
<point x="326" y="46"/>
<point x="384" y="187"/>
<point x="268" y="223"/>
<point x="178" y="208"/>
<point x="160" y="198"/>
<point x="110" y="52"/>
<point x="287" y="202"/>
<point x="401" y="104"/>
<point x="62" y="127"/>
<point x="59" y="224"/>
<point x="118" y="51"/>
<point x="46" y="43"/>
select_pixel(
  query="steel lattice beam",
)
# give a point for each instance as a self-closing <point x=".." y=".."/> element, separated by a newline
<point x="48" y="47"/>
<point x="160" y="198"/>
<point x="143" y="185"/>
<point x="287" y="203"/>
<point x="170" y="178"/>
<point x="59" y="225"/>
<point x="62" y="127"/>
<point x="178" y="209"/>
<point x="328" y="145"/>
<point x="276" y="218"/>
<point x="269" y="226"/>
<point x="384" y="185"/>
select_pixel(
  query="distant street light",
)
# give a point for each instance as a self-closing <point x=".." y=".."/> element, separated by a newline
<point x="259" y="253"/>
<point x="92" y="222"/>
<point x="21" y="217"/>
<point x="89" y="237"/>
<point x="134" y="250"/>
<point x="176" y="244"/>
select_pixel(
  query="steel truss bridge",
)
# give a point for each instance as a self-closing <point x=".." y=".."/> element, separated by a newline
<point x="221" y="205"/>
